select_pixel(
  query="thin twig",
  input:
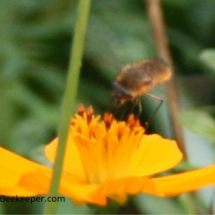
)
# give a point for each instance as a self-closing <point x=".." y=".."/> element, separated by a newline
<point x="157" y="22"/>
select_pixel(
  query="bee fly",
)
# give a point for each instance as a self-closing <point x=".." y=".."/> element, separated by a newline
<point x="136" y="79"/>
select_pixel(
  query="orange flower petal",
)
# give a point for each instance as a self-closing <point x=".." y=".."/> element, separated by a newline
<point x="72" y="162"/>
<point x="185" y="182"/>
<point x="38" y="182"/>
<point x="119" y="189"/>
<point x="12" y="167"/>
<point x="80" y="193"/>
<point x="154" y="155"/>
<point x="17" y="191"/>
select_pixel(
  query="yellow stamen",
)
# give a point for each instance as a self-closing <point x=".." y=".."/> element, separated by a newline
<point x="105" y="145"/>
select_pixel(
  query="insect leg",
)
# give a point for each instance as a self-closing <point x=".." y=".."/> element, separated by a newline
<point x="137" y="102"/>
<point x="139" y="105"/>
<point x="156" y="109"/>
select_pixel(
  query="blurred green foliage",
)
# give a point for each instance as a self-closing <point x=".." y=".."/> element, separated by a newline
<point x="199" y="122"/>
<point x="34" y="52"/>
<point x="207" y="57"/>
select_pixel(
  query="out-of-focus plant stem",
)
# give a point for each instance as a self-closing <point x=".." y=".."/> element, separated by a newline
<point x="69" y="97"/>
<point x="161" y="40"/>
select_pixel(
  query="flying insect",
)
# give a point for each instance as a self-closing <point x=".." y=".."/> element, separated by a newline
<point x="136" y="79"/>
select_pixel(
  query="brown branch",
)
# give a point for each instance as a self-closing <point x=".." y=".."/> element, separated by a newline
<point x="158" y="26"/>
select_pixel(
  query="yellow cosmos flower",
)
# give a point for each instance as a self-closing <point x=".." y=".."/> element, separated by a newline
<point x="105" y="159"/>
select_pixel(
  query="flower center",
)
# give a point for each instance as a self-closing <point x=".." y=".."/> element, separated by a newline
<point x="105" y="145"/>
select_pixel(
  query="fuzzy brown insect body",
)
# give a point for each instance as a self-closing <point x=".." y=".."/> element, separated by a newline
<point x="136" y="79"/>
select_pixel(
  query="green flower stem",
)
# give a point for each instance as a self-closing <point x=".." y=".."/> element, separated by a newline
<point x="69" y="98"/>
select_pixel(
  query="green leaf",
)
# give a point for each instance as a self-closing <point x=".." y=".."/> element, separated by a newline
<point x="213" y="204"/>
<point x="208" y="58"/>
<point x="154" y="205"/>
<point x="199" y="122"/>
<point x="68" y="207"/>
